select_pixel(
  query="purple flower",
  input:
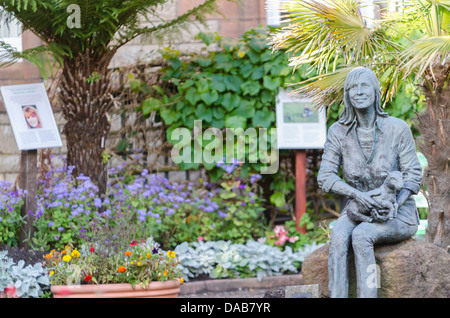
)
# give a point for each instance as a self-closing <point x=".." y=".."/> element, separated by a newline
<point x="243" y="203"/>
<point x="60" y="229"/>
<point x="51" y="223"/>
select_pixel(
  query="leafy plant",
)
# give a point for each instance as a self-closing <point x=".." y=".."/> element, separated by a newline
<point x="20" y="281"/>
<point x="221" y="259"/>
<point x="140" y="263"/>
<point x="10" y="208"/>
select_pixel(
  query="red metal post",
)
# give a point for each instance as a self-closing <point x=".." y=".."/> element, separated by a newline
<point x="300" y="187"/>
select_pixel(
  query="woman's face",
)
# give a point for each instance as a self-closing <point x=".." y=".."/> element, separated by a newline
<point x="362" y="92"/>
<point x="32" y="119"/>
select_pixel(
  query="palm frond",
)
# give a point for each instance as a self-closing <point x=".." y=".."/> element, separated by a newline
<point x="322" y="31"/>
<point x="424" y="54"/>
<point x="325" y="89"/>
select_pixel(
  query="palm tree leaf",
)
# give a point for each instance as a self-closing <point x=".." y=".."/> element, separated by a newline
<point x="425" y="53"/>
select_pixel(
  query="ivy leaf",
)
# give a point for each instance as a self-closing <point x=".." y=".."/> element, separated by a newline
<point x="204" y="113"/>
<point x="267" y="97"/>
<point x="209" y="97"/>
<point x="254" y="57"/>
<point x="202" y="85"/>
<point x="217" y="83"/>
<point x="230" y="101"/>
<point x="263" y="118"/>
<point x="218" y="112"/>
<point x="218" y="123"/>
<point x="258" y="73"/>
<point x="278" y="199"/>
<point x="192" y="96"/>
<point x="245" y="110"/>
<point x="149" y="105"/>
<point x="246" y="70"/>
<point x="235" y="122"/>
<point x="250" y="88"/>
<point x="271" y="83"/>
<point x="233" y="83"/>
<point x="258" y="44"/>
<point x="203" y="61"/>
<point x="208" y="38"/>
<point x="223" y="62"/>
<point x="169" y="115"/>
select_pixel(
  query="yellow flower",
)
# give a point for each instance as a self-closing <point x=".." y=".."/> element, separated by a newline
<point x="131" y="262"/>
<point x="75" y="253"/>
<point x="51" y="273"/>
<point x="171" y="254"/>
<point x="181" y="280"/>
<point x="148" y="255"/>
<point x="165" y="273"/>
<point x="139" y="264"/>
<point x="67" y="258"/>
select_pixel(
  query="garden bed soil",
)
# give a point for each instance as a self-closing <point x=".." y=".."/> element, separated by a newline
<point x="30" y="257"/>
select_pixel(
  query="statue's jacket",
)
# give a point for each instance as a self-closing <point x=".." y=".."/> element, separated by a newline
<point x="393" y="150"/>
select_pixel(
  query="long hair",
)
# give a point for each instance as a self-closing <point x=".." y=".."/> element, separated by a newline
<point x="347" y="115"/>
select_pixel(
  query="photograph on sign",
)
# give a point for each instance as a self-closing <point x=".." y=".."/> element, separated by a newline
<point x="31" y="116"/>
<point x="300" y="125"/>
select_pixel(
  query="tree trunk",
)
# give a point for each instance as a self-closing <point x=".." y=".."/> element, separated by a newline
<point x="86" y="99"/>
<point x="434" y="125"/>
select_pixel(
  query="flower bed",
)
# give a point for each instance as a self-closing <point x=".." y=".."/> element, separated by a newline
<point x="70" y="209"/>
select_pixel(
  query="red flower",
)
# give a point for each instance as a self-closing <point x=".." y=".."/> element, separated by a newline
<point x="11" y="292"/>
<point x="92" y="250"/>
<point x="134" y="243"/>
<point x="88" y="278"/>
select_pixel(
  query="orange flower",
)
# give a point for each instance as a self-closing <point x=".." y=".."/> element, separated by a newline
<point x="63" y="252"/>
<point x="128" y="254"/>
<point x="121" y="269"/>
<point x="48" y="256"/>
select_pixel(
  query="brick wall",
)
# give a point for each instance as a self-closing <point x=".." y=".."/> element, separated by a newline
<point x="234" y="21"/>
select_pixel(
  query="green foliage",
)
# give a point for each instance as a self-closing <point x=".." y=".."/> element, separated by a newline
<point x="223" y="259"/>
<point x="234" y="86"/>
<point x="26" y="282"/>
<point x="10" y="219"/>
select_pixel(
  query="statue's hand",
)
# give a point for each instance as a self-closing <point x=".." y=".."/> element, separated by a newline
<point x="381" y="215"/>
<point x="366" y="201"/>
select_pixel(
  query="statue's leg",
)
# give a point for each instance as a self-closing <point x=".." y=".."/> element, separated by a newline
<point x="338" y="257"/>
<point x="364" y="236"/>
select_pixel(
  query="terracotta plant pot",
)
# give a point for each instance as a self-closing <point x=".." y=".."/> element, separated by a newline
<point x="167" y="289"/>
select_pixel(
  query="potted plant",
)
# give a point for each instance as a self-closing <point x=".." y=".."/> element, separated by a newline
<point x="96" y="270"/>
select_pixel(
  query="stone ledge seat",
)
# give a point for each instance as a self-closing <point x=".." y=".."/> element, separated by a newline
<point x="410" y="269"/>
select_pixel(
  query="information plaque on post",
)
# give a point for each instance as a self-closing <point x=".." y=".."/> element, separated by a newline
<point x="34" y="127"/>
<point x="31" y="116"/>
<point x="300" y="126"/>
